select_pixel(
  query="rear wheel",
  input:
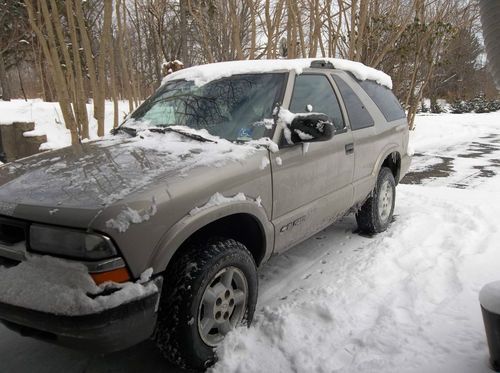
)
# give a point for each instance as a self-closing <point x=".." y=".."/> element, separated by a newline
<point x="376" y="213"/>
<point x="210" y="290"/>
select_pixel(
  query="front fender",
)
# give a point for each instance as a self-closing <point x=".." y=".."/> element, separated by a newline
<point x="187" y="226"/>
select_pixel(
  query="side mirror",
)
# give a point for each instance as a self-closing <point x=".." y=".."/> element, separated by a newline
<point x="311" y="128"/>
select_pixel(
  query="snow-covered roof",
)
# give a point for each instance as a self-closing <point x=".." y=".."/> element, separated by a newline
<point x="203" y="74"/>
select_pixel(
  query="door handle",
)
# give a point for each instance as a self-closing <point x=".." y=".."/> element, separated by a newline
<point x="349" y="148"/>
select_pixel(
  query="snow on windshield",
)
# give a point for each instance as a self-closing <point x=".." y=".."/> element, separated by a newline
<point x="204" y="74"/>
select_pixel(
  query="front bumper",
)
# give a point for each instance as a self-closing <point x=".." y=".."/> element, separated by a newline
<point x="107" y="331"/>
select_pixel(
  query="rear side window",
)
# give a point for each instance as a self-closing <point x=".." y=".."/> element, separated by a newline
<point x="384" y="99"/>
<point x="358" y="114"/>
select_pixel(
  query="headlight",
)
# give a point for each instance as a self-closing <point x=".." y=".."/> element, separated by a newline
<point x="70" y="243"/>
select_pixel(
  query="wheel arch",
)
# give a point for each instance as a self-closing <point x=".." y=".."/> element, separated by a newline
<point x="390" y="158"/>
<point x="243" y="221"/>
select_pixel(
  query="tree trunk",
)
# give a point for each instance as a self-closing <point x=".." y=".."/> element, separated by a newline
<point x="80" y="96"/>
<point x="49" y="48"/>
<point x="4" y="81"/>
<point x="103" y="50"/>
<point x="183" y="32"/>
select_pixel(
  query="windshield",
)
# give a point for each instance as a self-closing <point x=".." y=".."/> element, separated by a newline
<point x="238" y="108"/>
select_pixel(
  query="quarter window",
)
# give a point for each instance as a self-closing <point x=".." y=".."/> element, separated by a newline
<point x="384" y="99"/>
<point x="359" y="117"/>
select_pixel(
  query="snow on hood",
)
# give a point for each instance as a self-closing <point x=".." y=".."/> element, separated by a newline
<point x="100" y="173"/>
<point x="204" y="74"/>
<point x="192" y="153"/>
<point x="57" y="286"/>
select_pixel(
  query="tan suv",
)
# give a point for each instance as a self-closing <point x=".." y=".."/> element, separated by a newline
<point x="158" y="229"/>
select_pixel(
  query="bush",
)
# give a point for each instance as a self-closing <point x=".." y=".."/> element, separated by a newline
<point x="437" y="109"/>
<point x="423" y="108"/>
<point x="477" y="105"/>
<point x="460" y="107"/>
<point x="494" y="105"/>
<point x="480" y="105"/>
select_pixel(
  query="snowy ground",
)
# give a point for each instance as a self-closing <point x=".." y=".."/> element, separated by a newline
<point x="401" y="301"/>
<point x="49" y="120"/>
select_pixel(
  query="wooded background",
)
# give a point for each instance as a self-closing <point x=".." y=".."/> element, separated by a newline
<point x="72" y="51"/>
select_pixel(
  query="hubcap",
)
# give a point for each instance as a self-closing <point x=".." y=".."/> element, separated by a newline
<point x="223" y="305"/>
<point x="385" y="198"/>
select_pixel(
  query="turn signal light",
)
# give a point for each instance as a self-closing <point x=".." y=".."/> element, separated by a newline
<point x="116" y="275"/>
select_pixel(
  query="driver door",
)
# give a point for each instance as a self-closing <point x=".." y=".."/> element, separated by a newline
<point x="312" y="182"/>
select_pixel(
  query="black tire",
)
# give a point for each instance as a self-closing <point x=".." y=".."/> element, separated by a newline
<point x="177" y="334"/>
<point x="370" y="217"/>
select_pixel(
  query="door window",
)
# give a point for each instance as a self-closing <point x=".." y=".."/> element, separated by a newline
<point x="314" y="93"/>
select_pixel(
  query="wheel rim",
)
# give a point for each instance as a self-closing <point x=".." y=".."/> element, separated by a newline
<point x="385" y="198"/>
<point x="223" y="305"/>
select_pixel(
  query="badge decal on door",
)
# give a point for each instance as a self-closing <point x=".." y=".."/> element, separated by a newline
<point x="293" y="224"/>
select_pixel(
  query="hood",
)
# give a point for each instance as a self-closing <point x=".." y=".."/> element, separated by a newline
<point x="91" y="176"/>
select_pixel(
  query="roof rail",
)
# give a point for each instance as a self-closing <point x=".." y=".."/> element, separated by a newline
<point x="322" y="64"/>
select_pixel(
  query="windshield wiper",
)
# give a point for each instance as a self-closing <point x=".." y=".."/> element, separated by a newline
<point x="129" y="131"/>
<point x="133" y="132"/>
<point x="193" y="136"/>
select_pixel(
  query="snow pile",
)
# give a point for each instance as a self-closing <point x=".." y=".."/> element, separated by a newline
<point x="130" y="216"/>
<point x="204" y="74"/>
<point x="58" y="286"/>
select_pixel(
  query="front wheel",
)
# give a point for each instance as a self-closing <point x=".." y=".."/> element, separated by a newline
<point x="211" y="289"/>
<point x="376" y="213"/>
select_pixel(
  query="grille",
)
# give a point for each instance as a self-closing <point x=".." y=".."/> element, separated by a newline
<point x="12" y="231"/>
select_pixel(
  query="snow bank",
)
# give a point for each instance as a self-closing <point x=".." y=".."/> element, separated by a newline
<point x="61" y="287"/>
<point x="204" y="74"/>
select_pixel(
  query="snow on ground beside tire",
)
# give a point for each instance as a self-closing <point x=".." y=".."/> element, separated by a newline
<point x="403" y="301"/>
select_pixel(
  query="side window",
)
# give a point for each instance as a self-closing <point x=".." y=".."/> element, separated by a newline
<point x="358" y="114"/>
<point x="314" y="93"/>
<point x="384" y="99"/>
